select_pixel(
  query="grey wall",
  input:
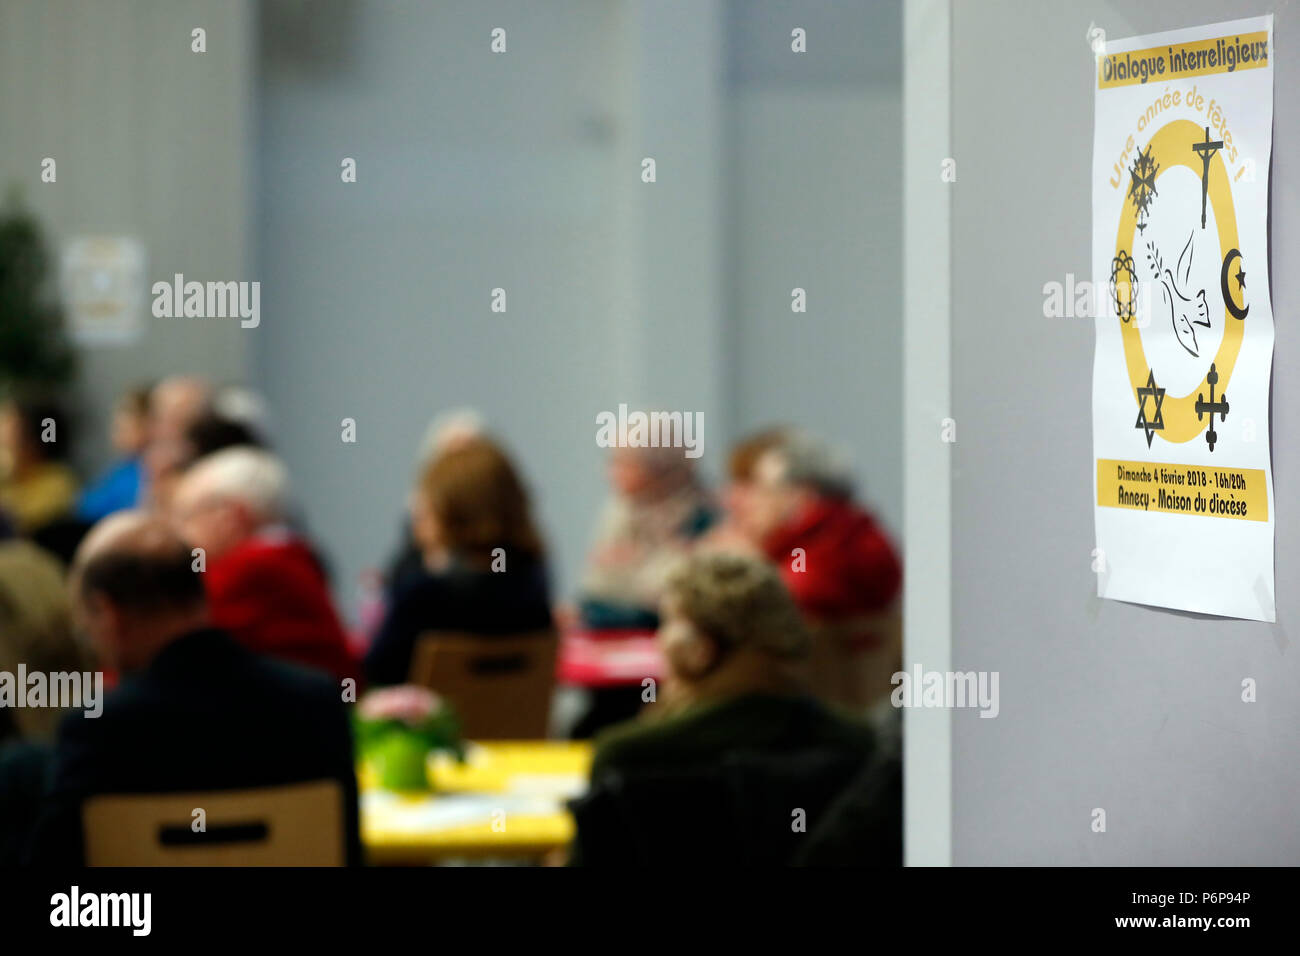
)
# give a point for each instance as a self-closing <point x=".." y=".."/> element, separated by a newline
<point x="151" y="141"/>
<point x="523" y="171"/>
<point x="814" y="192"/>
<point x="475" y="171"/>
<point x="818" y="205"/>
<point x="1103" y="704"/>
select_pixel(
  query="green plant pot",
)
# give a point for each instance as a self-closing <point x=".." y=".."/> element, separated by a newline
<point x="400" y="762"/>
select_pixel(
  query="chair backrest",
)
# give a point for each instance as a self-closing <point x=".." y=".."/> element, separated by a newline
<point x="853" y="660"/>
<point x="500" y="686"/>
<point x="291" y="825"/>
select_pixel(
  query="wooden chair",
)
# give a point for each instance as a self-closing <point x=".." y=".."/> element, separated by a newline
<point x="292" y="825"/>
<point x="500" y="687"/>
<point x="853" y="661"/>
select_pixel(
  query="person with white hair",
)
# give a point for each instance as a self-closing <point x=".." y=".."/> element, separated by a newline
<point x="263" y="581"/>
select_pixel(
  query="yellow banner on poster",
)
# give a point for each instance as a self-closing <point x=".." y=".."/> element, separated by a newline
<point x="1183" y="489"/>
<point x="1160" y="64"/>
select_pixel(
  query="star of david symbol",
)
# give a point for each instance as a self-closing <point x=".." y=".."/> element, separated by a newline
<point x="1151" y="390"/>
<point x="1143" y="185"/>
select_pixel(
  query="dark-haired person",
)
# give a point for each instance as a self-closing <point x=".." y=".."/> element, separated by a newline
<point x="194" y="711"/>
<point x="119" y="487"/>
<point x="737" y="532"/>
<point x="484" y="570"/>
<point x="36" y="487"/>
<point x="715" y="769"/>
<point x="210" y="433"/>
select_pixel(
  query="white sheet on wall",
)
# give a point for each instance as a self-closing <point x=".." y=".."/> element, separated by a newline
<point x="104" y="289"/>
<point x="1181" y="373"/>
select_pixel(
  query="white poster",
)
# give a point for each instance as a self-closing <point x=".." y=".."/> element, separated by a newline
<point x="104" y="289"/>
<point x="1180" y="397"/>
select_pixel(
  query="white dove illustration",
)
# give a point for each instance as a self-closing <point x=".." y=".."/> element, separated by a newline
<point x="1184" y="313"/>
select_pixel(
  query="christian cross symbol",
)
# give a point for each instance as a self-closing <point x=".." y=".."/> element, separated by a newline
<point x="1206" y="150"/>
<point x="1221" y="406"/>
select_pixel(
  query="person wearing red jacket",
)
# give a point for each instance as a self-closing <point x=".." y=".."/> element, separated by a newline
<point x="264" y="584"/>
<point x="838" y="564"/>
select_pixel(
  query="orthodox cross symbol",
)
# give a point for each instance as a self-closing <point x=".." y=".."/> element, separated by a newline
<point x="1221" y="406"/>
<point x="1150" y="390"/>
<point x="1206" y="150"/>
<point x="1143" y="185"/>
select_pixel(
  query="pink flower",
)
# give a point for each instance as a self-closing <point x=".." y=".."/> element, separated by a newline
<point x="407" y="703"/>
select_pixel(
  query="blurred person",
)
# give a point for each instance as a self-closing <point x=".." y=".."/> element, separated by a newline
<point x="738" y="733"/>
<point x="802" y="499"/>
<point x="738" y="532"/>
<point x="211" y="433"/>
<point x="36" y="487"/>
<point x="839" y="565"/>
<point x="36" y="632"/>
<point x="657" y="511"/>
<point x="656" y="515"/>
<point x="447" y="432"/>
<point x="244" y="408"/>
<point x="483" y="563"/>
<point x="120" y="487"/>
<point x="264" y="583"/>
<point x="195" y="711"/>
<point x="864" y="826"/>
<point x="211" y="430"/>
<point x="175" y="404"/>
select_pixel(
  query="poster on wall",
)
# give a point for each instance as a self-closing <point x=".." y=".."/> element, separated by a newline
<point x="1184" y="357"/>
<point x="103" y="279"/>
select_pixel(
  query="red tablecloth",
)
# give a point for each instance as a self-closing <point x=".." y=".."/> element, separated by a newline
<point x="608" y="658"/>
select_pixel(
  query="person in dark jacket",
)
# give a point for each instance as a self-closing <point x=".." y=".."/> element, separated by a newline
<point x="743" y="763"/>
<point x="195" y="711"/>
<point x="483" y="566"/>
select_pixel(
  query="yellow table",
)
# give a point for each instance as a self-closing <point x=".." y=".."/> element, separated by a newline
<point x="506" y="800"/>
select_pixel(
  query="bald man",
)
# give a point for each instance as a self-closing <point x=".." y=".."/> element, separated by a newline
<point x="194" y="711"/>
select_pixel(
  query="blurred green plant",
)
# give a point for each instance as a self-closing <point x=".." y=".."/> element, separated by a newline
<point x="396" y="728"/>
<point x="35" y="354"/>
